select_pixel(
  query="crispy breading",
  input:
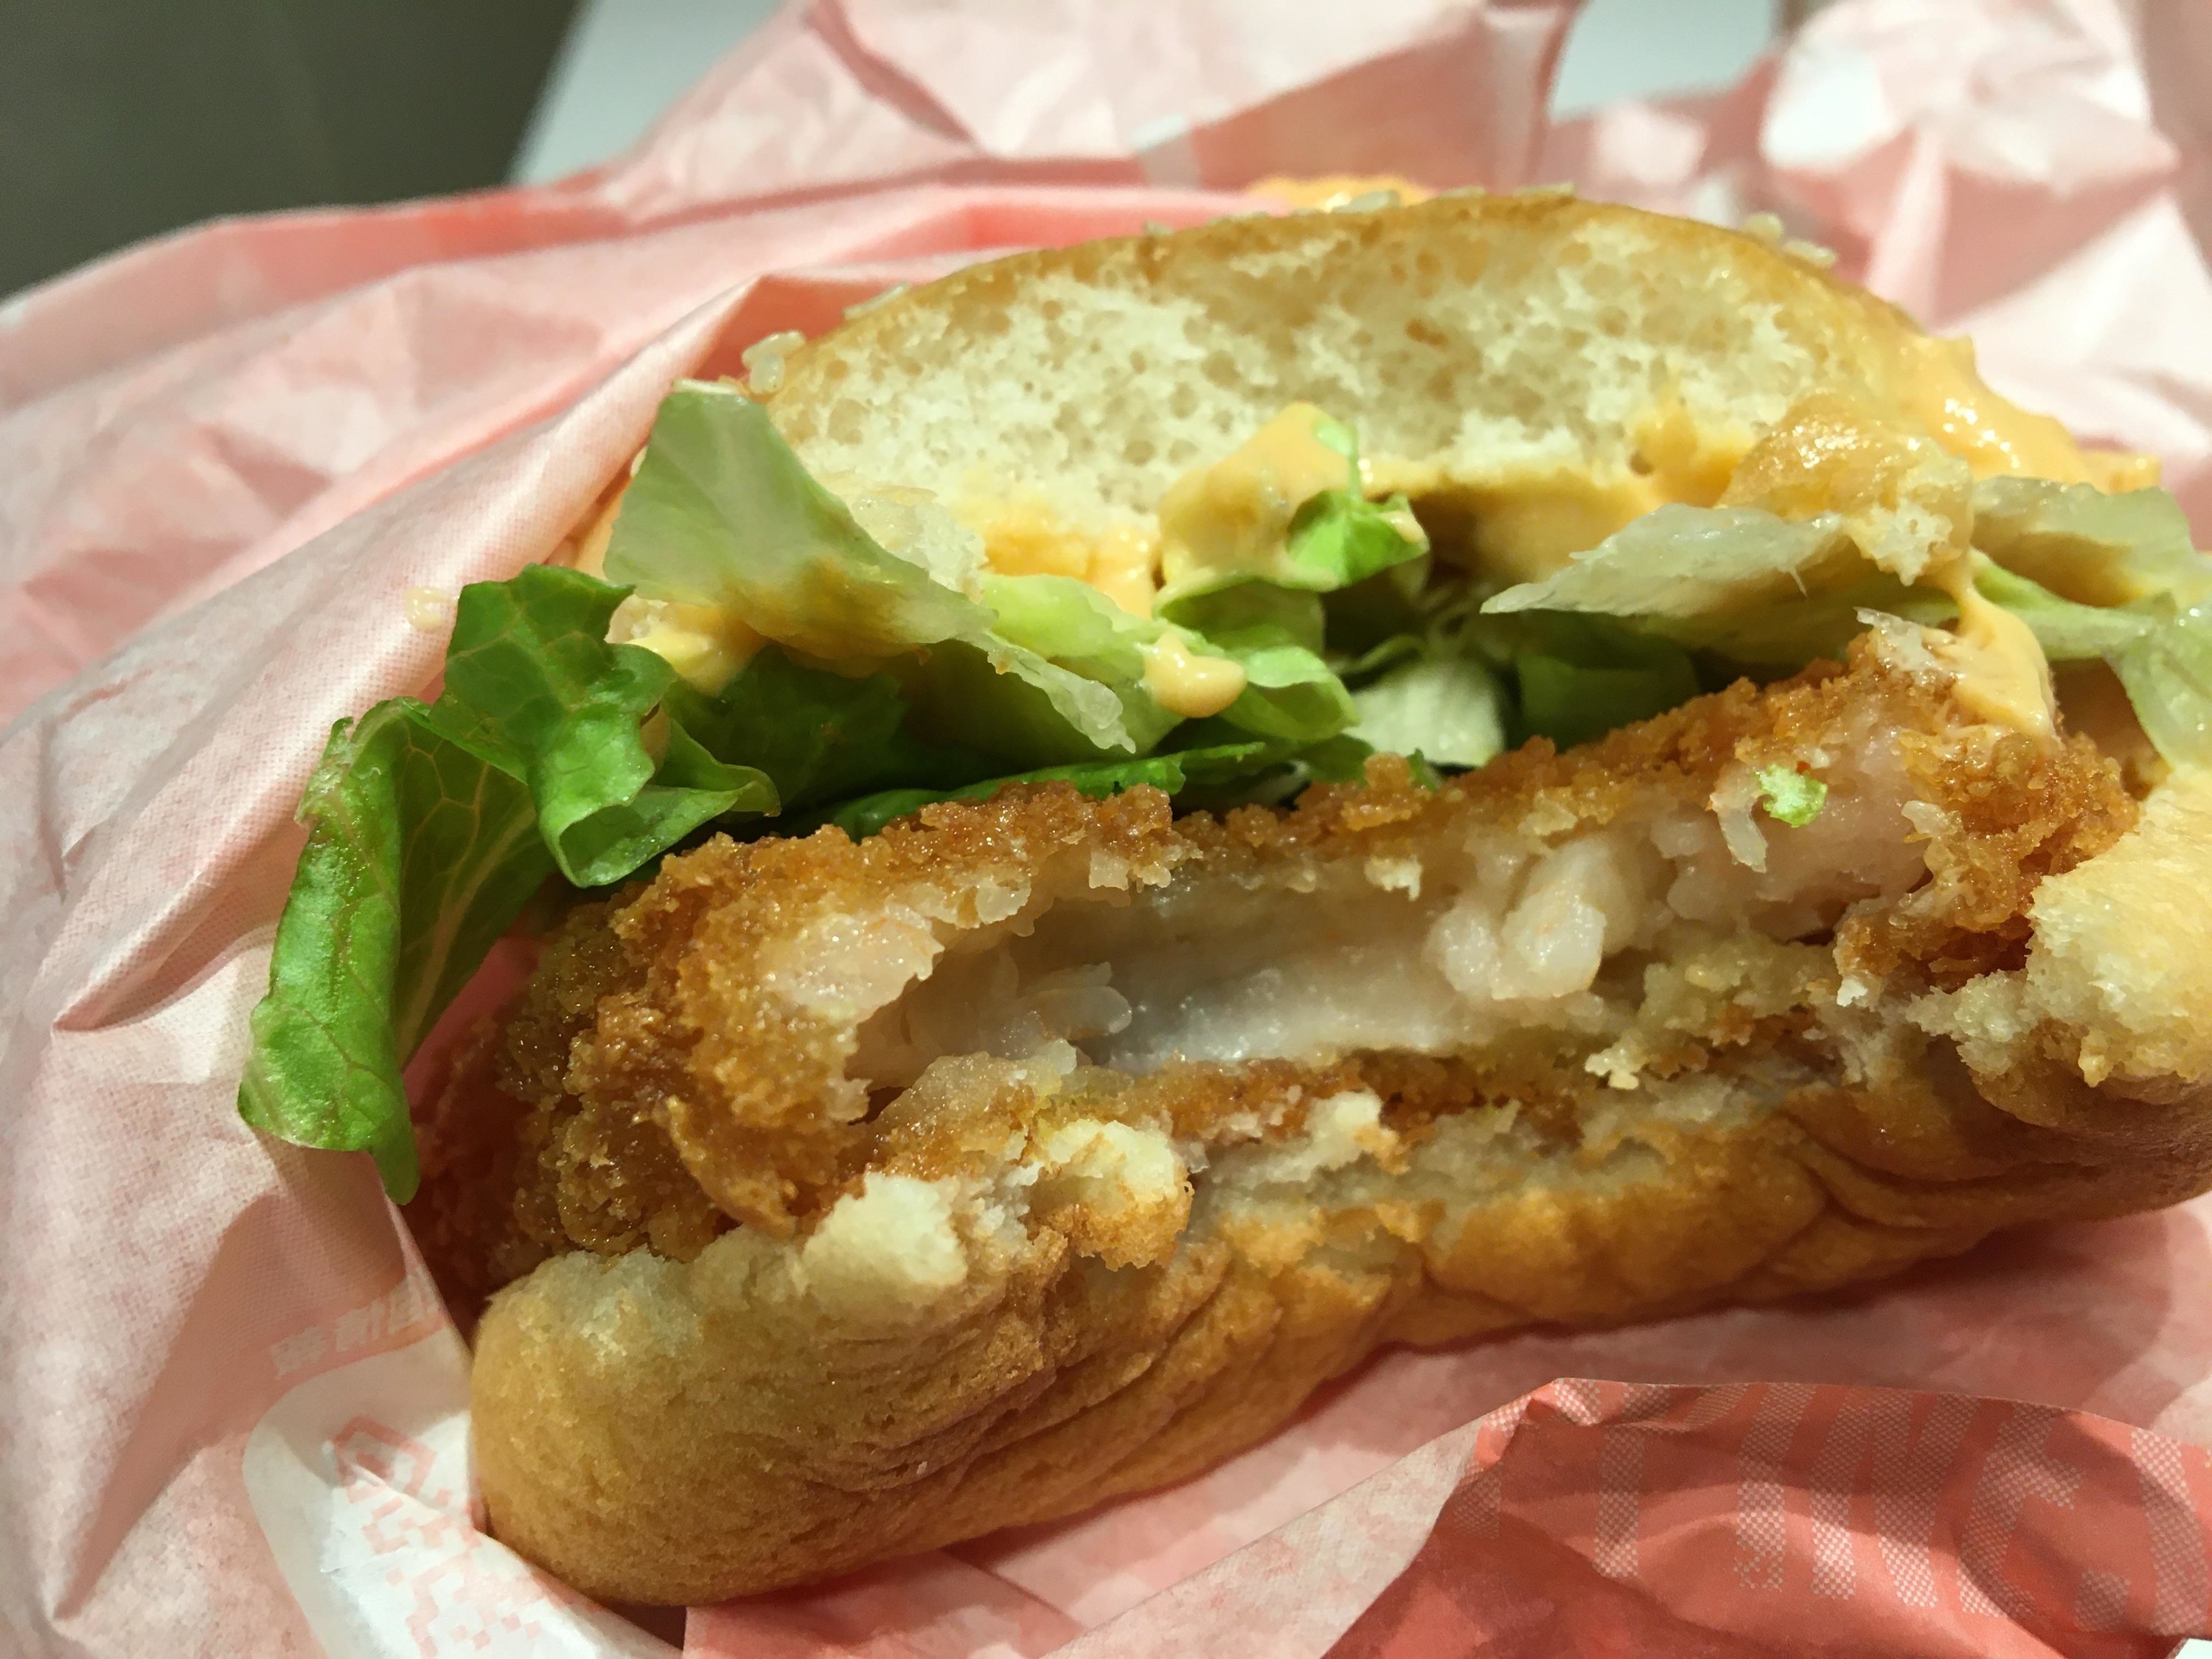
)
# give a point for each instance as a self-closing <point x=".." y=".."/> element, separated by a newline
<point x="931" y="1117"/>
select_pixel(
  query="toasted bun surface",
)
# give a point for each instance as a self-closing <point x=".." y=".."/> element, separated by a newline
<point x="836" y="1219"/>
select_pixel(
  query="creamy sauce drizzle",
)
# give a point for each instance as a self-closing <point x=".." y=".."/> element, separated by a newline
<point x="1235" y="516"/>
<point x="2004" y="675"/>
<point x="1028" y="538"/>
<point x="1941" y="388"/>
<point x="1183" y="683"/>
<point x="706" y="644"/>
<point x="1528" y="523"/>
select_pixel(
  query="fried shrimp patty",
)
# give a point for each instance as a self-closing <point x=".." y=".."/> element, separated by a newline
<point x="1078" y="1142"/>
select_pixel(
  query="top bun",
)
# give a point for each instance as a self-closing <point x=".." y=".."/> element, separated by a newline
<point x="1480" y="344"/>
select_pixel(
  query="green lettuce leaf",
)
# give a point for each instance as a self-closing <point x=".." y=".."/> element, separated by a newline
<point x="1275" y="634"/>
<point x="720" y="512"/>
<point x="1386" y="617"/>
<point x="2093" y="576"/>
<point x="1339" y="759"/>
<point x="429" y="827"/>
<point x="1448" y="708"/>
<point x="1579" y="678"/>
<point x="1073" y="624"/>
<point x="2110" y="576"/>
<point x="1459" y="684"/>
<point x="2167" y="673"/>
<point x="1686" y="564"/>
<point x="1760" y="590"/>
<point x="1173" y="772"/>
<point x="1336" y="537"/>
<point x="2162" y="656"/>
<point x="1268" y="617"/>
<point x="1339" y="538"/>
<point x="533" y="689"/>
<point x="2082" y="544"/>
<point x="1791" y="797"/>
<point x="1018" y="703"/>
<point x="2068" y="632"/>
<point x="1763" y="590"/>
<point x="820" y="735"/>
<point x="419" y="856"/>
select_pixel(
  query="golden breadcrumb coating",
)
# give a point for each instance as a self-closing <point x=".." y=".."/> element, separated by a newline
<point x="1075" y="1144"/>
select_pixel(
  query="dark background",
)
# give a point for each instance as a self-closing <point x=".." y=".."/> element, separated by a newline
<point x="119" y="118"/>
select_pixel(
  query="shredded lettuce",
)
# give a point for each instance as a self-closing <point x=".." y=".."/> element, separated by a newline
<point x="720" y="512"/>
<point x="2092" y="575"/>
<point x="1763" y="591"/>
<point x="1580" y="677"/>
<point x="1275" y="634"/>
<point x="1789" y="796"/>
<point x="2082" y="544"/>
<point x="2167" y="675"/>
<point x="1447" y="707"/>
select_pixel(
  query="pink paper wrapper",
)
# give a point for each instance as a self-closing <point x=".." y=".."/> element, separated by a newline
<point x="232" y="1413"/>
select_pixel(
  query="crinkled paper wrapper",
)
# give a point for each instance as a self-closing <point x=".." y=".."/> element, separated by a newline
<point x="233" y="1412"/>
